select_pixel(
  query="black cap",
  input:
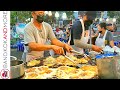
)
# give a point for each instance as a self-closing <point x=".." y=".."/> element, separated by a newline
<point x="108" y="24"/>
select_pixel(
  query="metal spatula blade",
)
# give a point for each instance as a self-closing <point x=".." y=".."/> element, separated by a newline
<point x="67" y="56"/>
<point x="77" y="65"/>
<point x="85" y="55"/>
<point x="69" y="59"/>
<point x="73" y="51"/>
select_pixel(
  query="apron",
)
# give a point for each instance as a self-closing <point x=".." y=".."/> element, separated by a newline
<point x="83" y="39"/>
<point x="37" y="54"/>
<point x="101" y="41"/>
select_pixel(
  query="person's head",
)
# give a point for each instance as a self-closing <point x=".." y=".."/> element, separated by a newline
<point x="38" y="16"/>
<point x="88" y="17"/>
<point x="101" y="27"/>
<point x="111" y="27"/>
<point x="57" y="28"/>
<point x="97" y="20"/>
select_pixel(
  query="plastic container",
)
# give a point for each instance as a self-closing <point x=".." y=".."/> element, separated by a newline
<point x="105" y="55"/>
<point x="119" y="44"/>
<point x="99" y="56"/>
<point x="108" y="50"/>
<point x="20" y="46"/>
<point x="116" y="43"/>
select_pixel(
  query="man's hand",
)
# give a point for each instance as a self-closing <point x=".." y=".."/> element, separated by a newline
<point x="68" y="48"/>
<point x="58" y="50"/>
<point x="96" y="48"/>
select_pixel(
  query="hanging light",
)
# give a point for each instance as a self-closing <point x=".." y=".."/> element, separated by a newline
<point x="95" y="19"/>
<point x="75" y="11"/>
<point x="64" y="16"/>
<point x="56" y="14"/>
<point x="114" y="19"/>
<point x="107" y="19"/>
<point x="50" y="13"/>
<point x="28" y="19"/>
<point x="46" y="12"/>
<point x="100" y="19"/>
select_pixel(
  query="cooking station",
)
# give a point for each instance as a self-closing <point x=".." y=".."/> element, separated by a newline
<point x="60" y="67"/>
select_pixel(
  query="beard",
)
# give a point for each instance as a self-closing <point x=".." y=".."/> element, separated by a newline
<point x="40" y="19"/>
<point x="100" y="31"/>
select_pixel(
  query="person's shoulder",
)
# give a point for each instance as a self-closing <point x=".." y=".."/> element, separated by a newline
<point x="76" y="23"/>
<point x="46" y="24"/>
<point x="28" y="26"/>
<point x="109" y="32"/>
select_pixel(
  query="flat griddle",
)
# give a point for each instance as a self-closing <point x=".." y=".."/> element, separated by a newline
<point x="90" y="62"/>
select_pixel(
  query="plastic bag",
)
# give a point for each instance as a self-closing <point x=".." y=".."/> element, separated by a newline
<point x="117" y="50"/>
<point x="108" y="50"/>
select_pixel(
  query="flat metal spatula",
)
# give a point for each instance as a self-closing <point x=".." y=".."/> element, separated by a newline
<point x="77" y="65"/>
<point x="69" y="59"/>
<point x="85" y="55"/>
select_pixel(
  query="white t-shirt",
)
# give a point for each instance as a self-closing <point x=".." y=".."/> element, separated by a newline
<point x="30" y="33"/>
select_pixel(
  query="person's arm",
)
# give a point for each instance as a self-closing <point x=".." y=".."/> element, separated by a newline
<point x="33" y="46"/>
<point x="77" y="33"/>
<point x="55" y="41"/>
<point x="69" y="39"/>
<point x="96" y="34"/>
<point x="39" y="47"/>
<point x="112" y="43"/>
<point x="67" y="47"/>
<point x="52" y="37"/>
<point x="110" y="39"/>
<point x="80" y="44"/>
<point x="30" y="40"/>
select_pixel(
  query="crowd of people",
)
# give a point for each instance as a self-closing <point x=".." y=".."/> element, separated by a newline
<point x="63" y="34"/>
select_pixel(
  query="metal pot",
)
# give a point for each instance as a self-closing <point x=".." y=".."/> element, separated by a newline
<point x="109" y="68"/>
<point x="16" y="68"/>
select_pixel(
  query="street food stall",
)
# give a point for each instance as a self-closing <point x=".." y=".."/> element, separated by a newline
<point x="101" y="66"/>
